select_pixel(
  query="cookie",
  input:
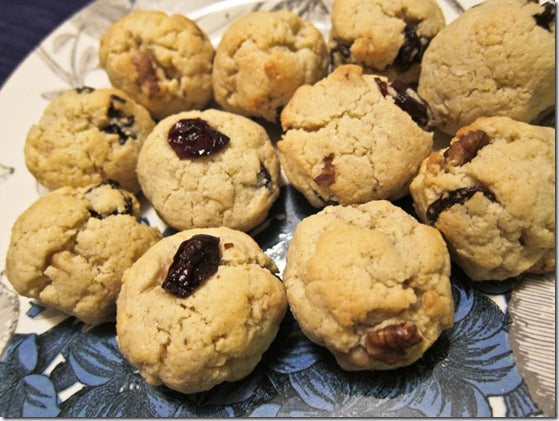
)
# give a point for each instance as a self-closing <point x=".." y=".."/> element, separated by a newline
<point x="163" y="62"/>
<point x="496" y="59"/>
<point x="209" y="169"/>
<point x="386" y="37"/>
<point x="352" y="138"/>
<point x="86" y="136"/>
<point x="369" y="283"/>
<point x="492" y="195"/>
<point x="262" y="58"/>
<point x="70" y="248"/>
<point x="199" y="308"/>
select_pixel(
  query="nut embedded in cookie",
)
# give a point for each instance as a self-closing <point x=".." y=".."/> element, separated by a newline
<point x="369" y="283"/>
<point x="491" y="193"/>
<point x="262" y="58"/>
<point x="163" y="62"/>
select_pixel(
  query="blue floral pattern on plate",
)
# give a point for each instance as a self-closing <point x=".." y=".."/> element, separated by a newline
<point x="468" y="365"/>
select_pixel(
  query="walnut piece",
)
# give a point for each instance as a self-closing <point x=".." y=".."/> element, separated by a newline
<point x="389" y="344"/>
<point x="328" y="175"/>
<point x="147" y="78"/>
<point x="466" y="148"/>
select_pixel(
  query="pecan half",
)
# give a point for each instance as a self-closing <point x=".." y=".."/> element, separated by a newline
<point x="390" y="343"/>
<point x="466" y="148"/>
<point x="328" y="175"/>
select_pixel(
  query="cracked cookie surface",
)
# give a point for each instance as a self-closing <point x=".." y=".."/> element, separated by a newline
<point x="218" y="333"/>
<point x="492" y="195"/>
<point x="70" y="248"/>
<point x="262" y="58"/>
<point x="86" y="136"/>
<point x="234" y="186"/>
<point x="386" y="37"/>
<point x="164" y="62"/>
<point x="369" y="283"/>
<point x="495" y="59"/>
<point x="347" y="140"/>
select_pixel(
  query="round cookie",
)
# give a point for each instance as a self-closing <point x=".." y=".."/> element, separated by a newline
<point x="496" y="59"/>
<point x="234" y="186"/>
<point x="88" y="135"/>
<point x="492" y="195"/>
<point x="163" y="62"/>
<point x="369" y="283"/>
<point x="212" y="332"/>
<point x="386" y="37"/>
<point x="70" y="248"/>
<point x="262" y="58"/>
<point x="348" y="138"/>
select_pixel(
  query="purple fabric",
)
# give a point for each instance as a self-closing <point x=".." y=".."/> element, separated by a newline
<point x="25" y="23"/>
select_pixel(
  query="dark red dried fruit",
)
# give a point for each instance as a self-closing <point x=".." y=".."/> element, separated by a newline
<point x="407" y="100"/>
<point x="193" y="137"/>
<point x="545" y="18"/>
<point x="263" y="178"/>
<point x="84" y="89"/>
<point x="127" y="209"/>
<point x="413" y="48"/>
<point x="195" y="261"/>
<point x="119" y="123"/>
<point x="455" y="197"/>
<point x="390" y="343"/>
<point x="328" y="175"/>
<point x="343" y="47"/>
<point x="466" y="148"/>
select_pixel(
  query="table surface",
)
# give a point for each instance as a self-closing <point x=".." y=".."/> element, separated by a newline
<point x="25" y="23"/>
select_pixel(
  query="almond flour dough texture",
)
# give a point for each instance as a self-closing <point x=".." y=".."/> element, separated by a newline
<point x="233" y="187"/>
<point x="495" y="59"/>
<point x="163" y="62"/>
<point x="346" y="142"/>
<point x="218" y="333"/>
<point x="70" y="248"/>
<point x="262" y="58"/>
<point x="86" y="136"/>
<point x="492" y="195"/>
<point x="386" y="37"/>
<point x="369" y="283"/>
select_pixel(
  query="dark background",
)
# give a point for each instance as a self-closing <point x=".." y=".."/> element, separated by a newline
<point x="25" y="23"/>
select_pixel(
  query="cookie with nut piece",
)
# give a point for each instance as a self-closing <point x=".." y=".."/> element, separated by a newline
<point x="353" y="137"/>
<point x="162" y="61"/>
<point x="70" y="248"/>
<point x="497" y="58"/>
<point x="261" y="60"/>
<point x="386" y="37"/>
<point x="209" y="169"/>
<point x="492" y="195"/>
<point x="199" y="308"/>
<point x="369" y="283"/>
<point x="88" y="135"/>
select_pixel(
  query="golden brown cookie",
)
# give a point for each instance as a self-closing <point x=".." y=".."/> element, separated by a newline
<point x="369" y="283"/>
<point x="199" y="308"/>
<point x="492" y="195"/>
